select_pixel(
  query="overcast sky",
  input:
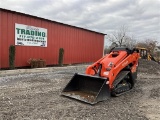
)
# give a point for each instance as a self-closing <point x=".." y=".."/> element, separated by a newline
<point x="141" y="16"/>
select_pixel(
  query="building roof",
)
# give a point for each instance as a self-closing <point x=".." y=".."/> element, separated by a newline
<point x="2" y="9"/>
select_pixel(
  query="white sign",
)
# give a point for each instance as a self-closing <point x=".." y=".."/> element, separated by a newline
<point x="26" y="35"/>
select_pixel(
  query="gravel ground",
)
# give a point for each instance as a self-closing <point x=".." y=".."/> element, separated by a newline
<point x="36" y="96"/>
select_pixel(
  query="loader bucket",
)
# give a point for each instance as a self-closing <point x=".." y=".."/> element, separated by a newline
<point x="89" y="89"/>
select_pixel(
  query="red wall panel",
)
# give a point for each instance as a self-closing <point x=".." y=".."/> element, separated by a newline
<point x="80" y="45"/>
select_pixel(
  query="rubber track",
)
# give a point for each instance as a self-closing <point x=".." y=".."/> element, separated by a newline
<point x="118" y="79"/>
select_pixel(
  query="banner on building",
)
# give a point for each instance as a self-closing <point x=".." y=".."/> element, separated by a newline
<point x="26" y="35"/>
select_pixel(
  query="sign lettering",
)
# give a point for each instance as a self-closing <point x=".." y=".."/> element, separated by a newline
<point x="30" y="35"/>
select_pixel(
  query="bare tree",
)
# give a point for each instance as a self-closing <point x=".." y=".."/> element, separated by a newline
<point x="129" y="41"/>
<point x="121" y="37"/>
<point x="150" y="44"/>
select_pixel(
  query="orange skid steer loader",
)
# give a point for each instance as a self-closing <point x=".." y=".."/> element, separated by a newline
<point x="112" y="75"/>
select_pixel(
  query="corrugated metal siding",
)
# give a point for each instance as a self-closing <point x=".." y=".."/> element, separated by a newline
<point x="80" y="45"/>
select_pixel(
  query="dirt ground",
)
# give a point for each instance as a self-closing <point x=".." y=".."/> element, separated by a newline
<point x="36" y="96"/>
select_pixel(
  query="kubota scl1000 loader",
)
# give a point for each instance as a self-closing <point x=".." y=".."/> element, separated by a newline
<point x="112" y="75"/>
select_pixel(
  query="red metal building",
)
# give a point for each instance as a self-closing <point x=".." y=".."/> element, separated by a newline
<point x="80" y="45"/>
